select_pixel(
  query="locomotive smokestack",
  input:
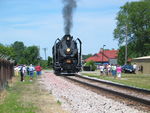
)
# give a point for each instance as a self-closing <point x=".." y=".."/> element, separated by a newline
<point x="69" y="6"/>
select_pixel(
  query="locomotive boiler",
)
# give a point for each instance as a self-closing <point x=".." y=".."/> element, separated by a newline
<point x="67" y="55"/>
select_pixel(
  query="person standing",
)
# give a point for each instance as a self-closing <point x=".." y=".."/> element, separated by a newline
<point x="38" y="70"/>
<point x="105" y="69"/>
<point x="135" y="67"/>
<point x="119" y="70"/>
<point x="16" y="69"/>
<point x="101" y="69"/>
<point x="27" y="70"/>
<point x="141" y="68"/>
<point x="113" y="68"/>
<point x="31" y="72"/>
<point x="22" y="72"/>
<point x="109" y="69"/>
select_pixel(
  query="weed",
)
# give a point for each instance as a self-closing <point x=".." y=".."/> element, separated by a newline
<point x="58" y="102"/>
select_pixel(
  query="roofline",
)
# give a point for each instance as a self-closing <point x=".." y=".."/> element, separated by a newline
<point x="140" y="58"/>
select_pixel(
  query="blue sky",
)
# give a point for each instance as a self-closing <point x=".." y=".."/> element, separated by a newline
<point x="40" y="22"/>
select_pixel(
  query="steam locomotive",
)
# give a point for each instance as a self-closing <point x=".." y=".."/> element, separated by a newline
<point x="67" y="55"/>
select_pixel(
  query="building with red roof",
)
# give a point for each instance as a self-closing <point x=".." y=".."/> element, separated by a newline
<point x="104" y="56"/>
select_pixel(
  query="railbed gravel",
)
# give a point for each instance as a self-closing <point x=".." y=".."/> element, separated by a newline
<point x="76" y="99"/>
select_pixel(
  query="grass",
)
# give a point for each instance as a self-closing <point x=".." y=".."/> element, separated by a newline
<point x="22" y="97"/>
<point x="13" y="102"/>
<point x="28" y="97"/>
<point x="135" y="80"/>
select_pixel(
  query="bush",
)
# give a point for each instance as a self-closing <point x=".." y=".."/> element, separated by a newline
<point x="91" y="64"/>
<point x="43" y="64"/>
<point x="87" y="68"/>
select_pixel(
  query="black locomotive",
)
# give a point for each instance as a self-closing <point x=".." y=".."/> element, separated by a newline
<point x="67" y="55"/>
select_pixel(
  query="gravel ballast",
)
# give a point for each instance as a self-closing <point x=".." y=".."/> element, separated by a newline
<point x="76" y="99"/>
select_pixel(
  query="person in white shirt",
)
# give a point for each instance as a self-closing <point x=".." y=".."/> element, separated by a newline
<point x="31" y="72"/>
<point x="134" y="67"/>
<point x="16" y="69"/>
<point x="101" y="69"/>
<point x="113" y="69"/>
<point x="22" y="72"/>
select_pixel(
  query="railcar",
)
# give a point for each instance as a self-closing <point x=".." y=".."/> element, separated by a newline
<point x="67" y="55"/>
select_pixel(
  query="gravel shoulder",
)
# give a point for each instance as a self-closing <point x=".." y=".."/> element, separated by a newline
<point x="76" y="99"/>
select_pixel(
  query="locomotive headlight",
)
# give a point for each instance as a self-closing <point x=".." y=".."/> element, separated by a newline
<point x="68" y="50"/>
<point x="68" y="61"/>
<point x="68" y="38"/>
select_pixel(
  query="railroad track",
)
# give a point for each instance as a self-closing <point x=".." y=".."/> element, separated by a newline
<point x="132" y="93"/>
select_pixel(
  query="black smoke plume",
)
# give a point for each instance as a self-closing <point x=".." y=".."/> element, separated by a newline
<point x="69" y="6"/>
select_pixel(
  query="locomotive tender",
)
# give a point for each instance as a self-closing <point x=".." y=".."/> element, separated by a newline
<point x="67" y="55"/>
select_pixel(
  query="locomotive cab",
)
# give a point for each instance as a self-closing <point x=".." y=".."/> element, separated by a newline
<point x="67" y="55"/>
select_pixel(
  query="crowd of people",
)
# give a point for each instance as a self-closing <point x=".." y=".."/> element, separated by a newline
<point x="23" y="70"/>
<point x="107" y="69"/>
<point x="116" y="70"/>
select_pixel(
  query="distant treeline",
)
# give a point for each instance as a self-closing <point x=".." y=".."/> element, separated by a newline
<point x="23" y="54"/>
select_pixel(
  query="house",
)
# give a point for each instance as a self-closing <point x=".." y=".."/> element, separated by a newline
<point x="104" y="57"/>
<point x="144" y="62"/>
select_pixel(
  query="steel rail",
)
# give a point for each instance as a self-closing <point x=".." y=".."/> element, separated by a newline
<point x="114" y="84"/>
<point x="124" y="95"/>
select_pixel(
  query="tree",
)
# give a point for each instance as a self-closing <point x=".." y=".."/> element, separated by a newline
<point x="91" y="64"/>
<point x="21" y="54"/>
<point x="31" y="55"/>
<point x="49" y="63"/>
<point x="6" y="51"/>
<point x="18" y="48"/>
<point x="44" y="63"/>
<point x="86" y="56"/>
<point x="133" y="21"/>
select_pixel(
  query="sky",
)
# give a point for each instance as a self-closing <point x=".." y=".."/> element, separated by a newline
<point x="40" y="23"/>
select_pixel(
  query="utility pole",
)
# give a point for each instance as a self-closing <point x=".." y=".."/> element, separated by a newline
<point x="45" y="49"/>
<point x="126" y="46"/>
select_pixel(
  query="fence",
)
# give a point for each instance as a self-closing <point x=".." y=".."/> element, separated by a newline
<point x="6" y="72"/>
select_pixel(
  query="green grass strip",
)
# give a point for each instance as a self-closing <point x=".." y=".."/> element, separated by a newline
<point x="135" y="80"/>
<point x="13" y="103"/>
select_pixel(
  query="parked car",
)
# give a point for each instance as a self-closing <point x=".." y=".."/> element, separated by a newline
<point x="128" y="69"/>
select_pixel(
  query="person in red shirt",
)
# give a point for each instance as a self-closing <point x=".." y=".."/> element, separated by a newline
<point x="38" y="70"/>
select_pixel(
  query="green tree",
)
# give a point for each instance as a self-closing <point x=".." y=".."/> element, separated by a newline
<point x="21" y="54"/>
<point x="6" y="51"/>
<point x="49" y="63"/>
<point x="121" y="54"/>
<point x="44" y="63"/>
<point x="86" y="56"/>
<point x="91" y="64"/>
<point x="31" y="55"/>
<point x="133" y="21"/>
<point x="18" y="48"/>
